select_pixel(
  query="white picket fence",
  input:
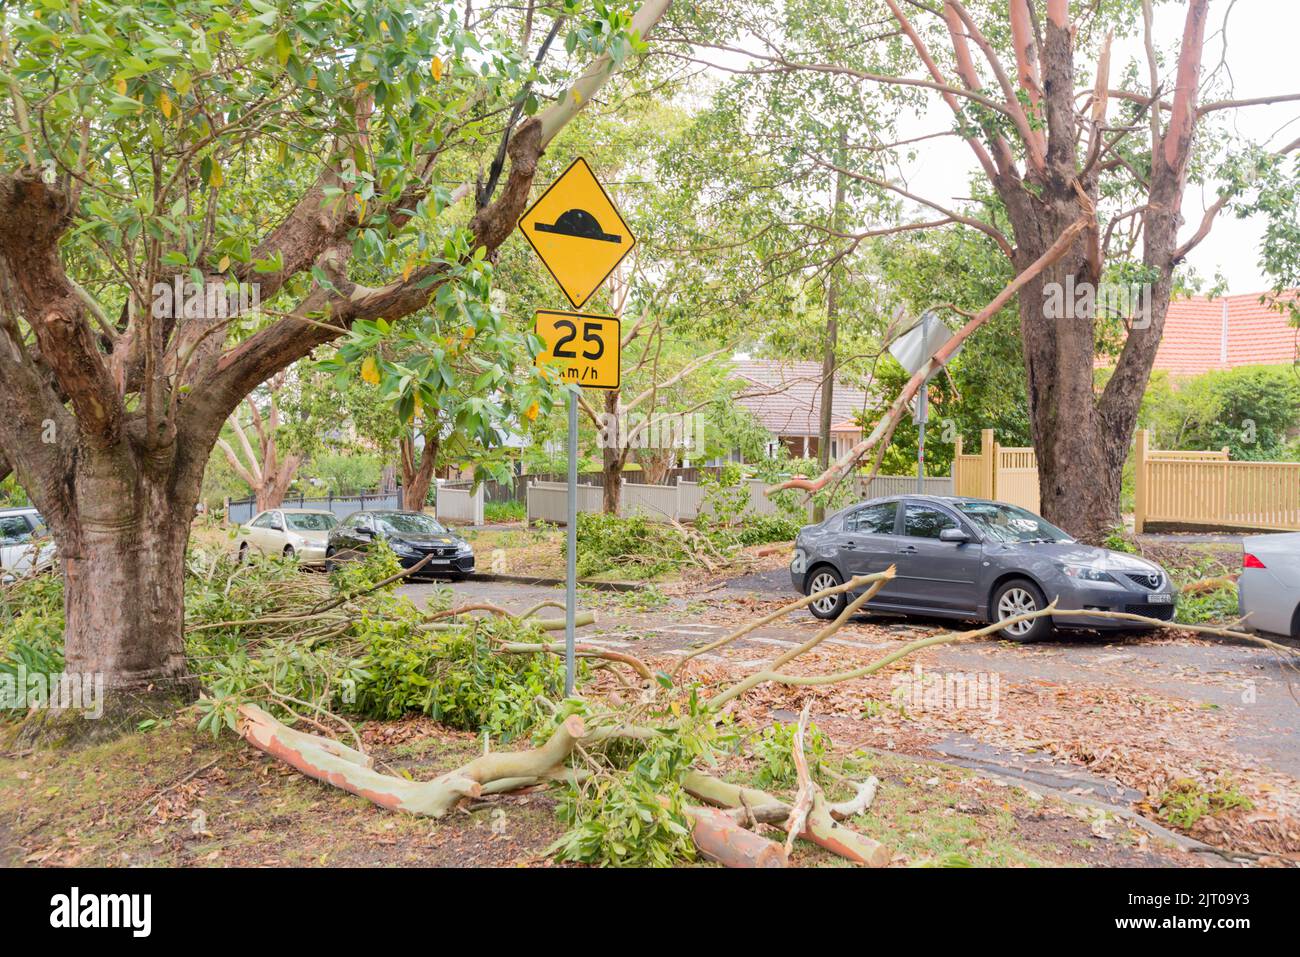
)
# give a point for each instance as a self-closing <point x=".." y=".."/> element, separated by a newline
<point x="683" y="500"/>
<point x="460" y="504"/>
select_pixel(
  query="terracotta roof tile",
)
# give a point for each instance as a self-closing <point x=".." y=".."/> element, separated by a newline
<point x="1197" y="338"/>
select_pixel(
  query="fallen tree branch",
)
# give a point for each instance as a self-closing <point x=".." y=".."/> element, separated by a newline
<point x="857" y="581"/>
<point x="722" y="840"/>
<point x="808" y="790"/>
<point x="860" y="803"/>
<point x="822" y="829"/>
<point x="889" y="421"/>
<point x="582" y="651"/>
<point x="346" y="768"/>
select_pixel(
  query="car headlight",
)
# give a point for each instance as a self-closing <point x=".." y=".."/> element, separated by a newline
<point x="1087" y="573"/>
<point x="464" y="549"/>
<point x="401" y="548"/>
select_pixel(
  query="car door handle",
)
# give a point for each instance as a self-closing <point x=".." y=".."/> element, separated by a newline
<point x="849" y="546"/>
<point x="907" y="549"/>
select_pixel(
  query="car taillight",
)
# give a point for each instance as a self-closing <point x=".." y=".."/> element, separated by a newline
<point x="1250" y="561"/>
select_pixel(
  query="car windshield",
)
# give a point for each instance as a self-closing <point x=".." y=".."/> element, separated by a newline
<point x="310" y="521"/>
<point x="409" y="523"/>
<point x="1007" y="523"/>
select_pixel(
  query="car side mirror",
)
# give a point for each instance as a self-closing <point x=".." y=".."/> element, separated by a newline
<point x="365" y="531"/>
<point x="954" y="535"/>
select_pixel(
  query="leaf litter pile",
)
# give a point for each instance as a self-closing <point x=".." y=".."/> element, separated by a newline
<point x="1178" y="754"/>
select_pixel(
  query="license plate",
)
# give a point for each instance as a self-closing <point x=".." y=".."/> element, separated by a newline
<point x="1160" y="599"/>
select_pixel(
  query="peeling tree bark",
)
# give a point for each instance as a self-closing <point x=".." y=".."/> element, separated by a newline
<point x="343" y="767"/>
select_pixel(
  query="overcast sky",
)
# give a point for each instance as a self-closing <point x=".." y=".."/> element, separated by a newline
<point x="1263" y="56"/>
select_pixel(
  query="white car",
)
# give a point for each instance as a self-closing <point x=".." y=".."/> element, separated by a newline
<point x="25" y="544"/>
<point x="1269" y="587"/>
<point x="298" y="533"/>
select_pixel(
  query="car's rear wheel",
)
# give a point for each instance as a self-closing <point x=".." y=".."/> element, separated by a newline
<point x="289" y="552"/>
<point x="831" y="605"/>
<point x="243" y="553"/>
<point x="1021" y="597"/>
<point x="329" y="559"/>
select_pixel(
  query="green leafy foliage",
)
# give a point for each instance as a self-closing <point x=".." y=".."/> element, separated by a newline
<point x="1219" y="605"/>
<point x="31" y="626"/>
<point x="377" y="659"/>
<point x="502" y="512"/>
<point x="631" y="810"/>
<point x="455" y="678"/>
<point x="609" y="542"/>
<point x="1186" y="801"/>
<point x="774" y="748"/>
<point x="1119" y="541"/>
<point x="1250" y="410"/>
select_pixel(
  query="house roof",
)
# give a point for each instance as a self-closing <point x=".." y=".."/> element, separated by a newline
<point x="1203" y="334"/>
<point x="785" y="396"/>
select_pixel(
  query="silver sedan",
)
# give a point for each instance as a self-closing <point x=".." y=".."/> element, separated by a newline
<point x="298" y="533"/>
<point x="1269" y="588"/>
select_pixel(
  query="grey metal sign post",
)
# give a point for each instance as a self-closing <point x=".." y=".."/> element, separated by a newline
<point x="913" y="350"/>
<point x="571" y="553"/>
<point x="921" y="417"/>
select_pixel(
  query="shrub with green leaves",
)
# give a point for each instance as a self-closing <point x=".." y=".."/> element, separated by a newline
<point x="762" y="529"/>
<point x="1211" y="606"/>
<point x="31" y="625"/>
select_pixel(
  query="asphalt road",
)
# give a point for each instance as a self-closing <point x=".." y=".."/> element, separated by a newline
<point x="1251" y="687"/>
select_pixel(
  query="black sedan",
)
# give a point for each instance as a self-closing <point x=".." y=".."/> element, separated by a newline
<point x="412" y="536"/>
<point x="978" y="560"/>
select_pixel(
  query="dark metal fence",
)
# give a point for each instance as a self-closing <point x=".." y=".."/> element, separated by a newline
<point x="238" y="512"/>
<point x="516" y="489"/>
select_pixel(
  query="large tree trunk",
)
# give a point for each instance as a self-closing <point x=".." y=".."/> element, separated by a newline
<point x="123" y="559"/>
<point x="271" y="493"/>
<point x="416" y="478"/>
<point x="1079" y="476"/>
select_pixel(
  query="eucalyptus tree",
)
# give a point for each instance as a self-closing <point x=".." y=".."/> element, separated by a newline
<point x="292" y="151"/>
<point x="1090" y="164"/>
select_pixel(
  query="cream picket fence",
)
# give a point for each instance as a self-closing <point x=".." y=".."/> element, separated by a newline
<point x="1207" y="488"/>
<point x="1003" y="474"/>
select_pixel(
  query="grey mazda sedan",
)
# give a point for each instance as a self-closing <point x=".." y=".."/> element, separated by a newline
<point x="978" y="560"/>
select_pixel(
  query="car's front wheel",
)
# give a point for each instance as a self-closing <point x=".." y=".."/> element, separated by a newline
<point x="243" y="553"/>
<point x="828" y="606"/>
<point x="1021" y="597"/>
<point x="330" y="564"/>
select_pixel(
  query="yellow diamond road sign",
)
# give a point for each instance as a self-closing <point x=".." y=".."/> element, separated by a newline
<point x="577" y="232"/>
<point x="585" y="349"/>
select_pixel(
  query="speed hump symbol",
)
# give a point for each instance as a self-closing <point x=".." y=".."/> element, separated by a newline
<point x="578" y="232"/>
<point x="583" y="348"/>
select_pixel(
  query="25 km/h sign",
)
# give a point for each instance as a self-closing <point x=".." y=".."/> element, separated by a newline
<point x="584" y="348"/>
<point x="578" y="233"/>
